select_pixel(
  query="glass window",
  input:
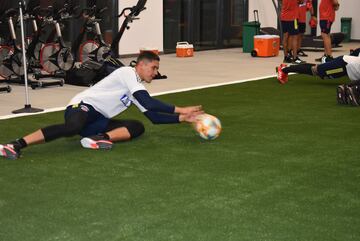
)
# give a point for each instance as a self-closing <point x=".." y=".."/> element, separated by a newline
<point x="207" y="24"/>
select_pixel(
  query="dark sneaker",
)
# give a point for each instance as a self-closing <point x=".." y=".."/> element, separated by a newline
<point x="355" y="52"/>
<point x="324" y="59"/>
<point x="9" y="151"/>
<point x="281" y="75"/>
<point x="319" y="59"/>
<point x="353" y="95"/>
<point x="341" y="95"/>
<point x="302" y="53"/>
<point x="298" y="61"/>
<point x="328" y="59"/>
<point x="96" y="142"/>
<point x="288" y="59"/>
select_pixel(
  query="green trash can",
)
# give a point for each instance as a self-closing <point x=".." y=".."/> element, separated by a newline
<point x="346" y="28"/>
<point x="250" y="29"/>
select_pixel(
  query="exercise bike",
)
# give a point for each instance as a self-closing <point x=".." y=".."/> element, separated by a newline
<point x="11" y="60"/>
<point x="94" y="48"/>
<point x="39" y="16"/>
<point x="130" y="14"/>
<point x="34" y="43"/>
<point x="90" y="71"/>
<point x="56" y="57"/>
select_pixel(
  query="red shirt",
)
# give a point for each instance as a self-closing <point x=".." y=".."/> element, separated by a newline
<point x="289" y="10"/>
<point x="327" y="11"/>
<point x="303" y="8"/>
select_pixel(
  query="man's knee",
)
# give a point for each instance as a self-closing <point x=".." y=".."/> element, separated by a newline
<point x="135" y="128"/>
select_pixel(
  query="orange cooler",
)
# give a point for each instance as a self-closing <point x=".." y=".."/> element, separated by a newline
<point x="184" y="49"/>
<point x="266" y="46"/>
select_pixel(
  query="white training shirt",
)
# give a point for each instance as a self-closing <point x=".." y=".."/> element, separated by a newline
<point x="353" y="67"/>
<point x="113" y="94"/>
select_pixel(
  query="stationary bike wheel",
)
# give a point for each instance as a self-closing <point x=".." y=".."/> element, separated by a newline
<point x="65" y="59"/>
<point x="17" y="64"/>
<point x="100" y="53"/>
<point x="87" y="49"/>
<point x="48" y="59"/>
<point x="5" y="54"/>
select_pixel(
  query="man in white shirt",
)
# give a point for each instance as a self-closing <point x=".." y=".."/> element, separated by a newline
<point x="90" y="112"/>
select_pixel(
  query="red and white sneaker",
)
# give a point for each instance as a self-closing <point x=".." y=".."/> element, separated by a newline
<point x="96" y="142"/>
<point x="9" y="151"/>
<point x="281" y="76"/>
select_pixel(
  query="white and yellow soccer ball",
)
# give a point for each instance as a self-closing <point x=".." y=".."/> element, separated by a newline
<point x="208" y="126"/>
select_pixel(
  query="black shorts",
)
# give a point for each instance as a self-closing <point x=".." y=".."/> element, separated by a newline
<point x="333" y="69"/>
<point x="302" y="27"/>
<point x="325" y="26"/>
<point x="290" y="27"/>
<point x="95" y="123"/>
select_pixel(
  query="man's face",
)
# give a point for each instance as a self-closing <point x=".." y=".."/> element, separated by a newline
<point x="147" y="70"/>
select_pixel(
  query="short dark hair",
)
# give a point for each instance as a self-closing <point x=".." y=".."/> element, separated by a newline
<point x="148" y="55"/>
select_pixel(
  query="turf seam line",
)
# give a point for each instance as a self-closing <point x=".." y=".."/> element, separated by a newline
<point x="5" y="117"/>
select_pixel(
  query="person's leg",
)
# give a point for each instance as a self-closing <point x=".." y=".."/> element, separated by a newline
<point x="75" y="120"/>
<point x="283" y="71"/>
<point x="123" y="130"/>
<point x="285" y="44"/>
<point x="327" y="44"/>
<point x="333" y="69"/>
<point x="302" y="29"/>
<point x="325" y="27"/>
<point x="307" y="69"/>
<point x="299" y="40"/>
<point x="285" y="41"/>
<point x="293" y="36"/>
<point x="294" y="45"/>
<point x="115" y="131"/>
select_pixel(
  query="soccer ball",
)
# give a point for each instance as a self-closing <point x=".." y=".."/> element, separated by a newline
<point x="208" y="126"/>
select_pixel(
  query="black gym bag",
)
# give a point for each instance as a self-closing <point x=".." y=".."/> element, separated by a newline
<point x="91" y="72"/>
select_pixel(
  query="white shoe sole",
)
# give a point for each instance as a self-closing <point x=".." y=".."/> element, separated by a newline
<point x="89" y="143"/>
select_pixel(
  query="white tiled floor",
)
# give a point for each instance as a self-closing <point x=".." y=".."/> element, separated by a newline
<point x="206" y="67"/>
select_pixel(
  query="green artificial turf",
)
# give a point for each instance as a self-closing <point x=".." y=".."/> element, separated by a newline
<point x="286" y="167"/>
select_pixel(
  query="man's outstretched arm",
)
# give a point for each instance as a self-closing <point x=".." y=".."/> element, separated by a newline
<point x="154" y="105"/>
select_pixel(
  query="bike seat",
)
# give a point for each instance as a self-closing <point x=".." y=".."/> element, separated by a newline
<point x="11" y="12"/>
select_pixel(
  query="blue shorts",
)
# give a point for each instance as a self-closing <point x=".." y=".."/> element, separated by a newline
<point x="333" y="69"/>
<point x="302" y="27"/>
<point x="95" y="123"/>
<point x="325" y="26"/>
<point x="290" y="27"/>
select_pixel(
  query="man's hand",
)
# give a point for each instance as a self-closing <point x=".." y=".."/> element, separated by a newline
<point x="336" y="5"/>
<point x="191" y="117"/>
<point x="188" y="109"/>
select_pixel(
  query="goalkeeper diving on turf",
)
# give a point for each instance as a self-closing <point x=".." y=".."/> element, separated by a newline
<point x="90" y="113"/>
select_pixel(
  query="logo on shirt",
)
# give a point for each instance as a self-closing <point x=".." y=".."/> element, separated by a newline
<point x="126" y="100"/>
<point x="84" y="108"/>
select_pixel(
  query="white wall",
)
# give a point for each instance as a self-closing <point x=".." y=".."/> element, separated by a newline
<point x="348" y="8"/>
<point x="146" y="32"/>
<point x="267" y="13"/>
